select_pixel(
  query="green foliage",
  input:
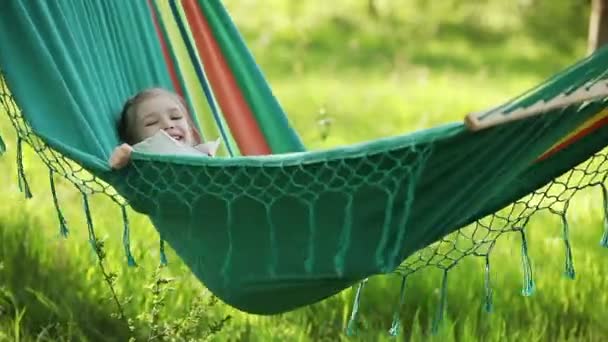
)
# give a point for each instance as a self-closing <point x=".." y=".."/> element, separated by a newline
<point x="343" y="75"/>
<point x="196" y="324"/>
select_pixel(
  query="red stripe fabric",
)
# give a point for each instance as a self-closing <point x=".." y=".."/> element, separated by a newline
<point x="237" y="113"/>
<point x="596" y="125"/>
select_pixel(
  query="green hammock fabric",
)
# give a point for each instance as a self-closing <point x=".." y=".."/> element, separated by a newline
<point x="269" y="234"/>
<point x="92" y="55"/>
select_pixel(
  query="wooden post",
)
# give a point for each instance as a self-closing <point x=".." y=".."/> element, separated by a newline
<point x="598" y="25"/>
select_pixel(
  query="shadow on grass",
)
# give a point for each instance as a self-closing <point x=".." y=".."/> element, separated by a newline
<point x="58" y="302"/>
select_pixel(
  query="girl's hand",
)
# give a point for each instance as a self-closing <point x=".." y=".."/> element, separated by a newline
<point x="121" y="156"/>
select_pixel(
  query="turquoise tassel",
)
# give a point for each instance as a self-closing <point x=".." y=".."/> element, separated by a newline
<point x="442" y="302"/>
<point x="23" y="184"/>
<point x="163" y="256"/>
<point x="604" y="240"/>
<point x="488" y="287"/>
<point x="350" y="329"/>
<point x="529" y="286"/>
<point x="569" y="269"/>
<point x="63" y="228"/>
<point x="394" y="330"/>
<point x="87" y="211"/>
<point x="126" y="238"/>
<point x="2" y="146"/>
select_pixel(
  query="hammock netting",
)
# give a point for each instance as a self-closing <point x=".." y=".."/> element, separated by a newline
<point x="271" y="232"/>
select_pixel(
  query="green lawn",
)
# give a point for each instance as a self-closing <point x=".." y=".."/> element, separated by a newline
<point x="417" y="65"/>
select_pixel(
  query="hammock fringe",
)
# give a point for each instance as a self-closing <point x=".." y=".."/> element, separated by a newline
<point x="91" y="230"/>
<point x="21" y="179"/>
<point x="569" y="263"/>
<point x="443" y="298"/>
<point x="351" y="328"/>
<point x="163" y="256"/>
<point x="2" y="146"/>
<point x="63" y="227"/>
<point x="126" y="237"/>
<point x="488" y="303"/>
<point x="604" y="240"/>
<point x="396" y="324"/>
<point x="529" y="286"/>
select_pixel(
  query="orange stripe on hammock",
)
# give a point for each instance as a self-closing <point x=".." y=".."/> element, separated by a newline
<point x="236" y="111"/>
<point x="594" y="123"/>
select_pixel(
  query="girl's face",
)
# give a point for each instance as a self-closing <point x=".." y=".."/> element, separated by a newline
<point x="161" y="112"/>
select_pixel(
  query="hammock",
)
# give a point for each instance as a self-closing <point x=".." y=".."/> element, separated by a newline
<point x="269" y="227"/>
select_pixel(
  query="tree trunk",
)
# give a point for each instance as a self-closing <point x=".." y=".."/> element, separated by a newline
<point x="598" y="25"/>
<point x="372" y="9"/>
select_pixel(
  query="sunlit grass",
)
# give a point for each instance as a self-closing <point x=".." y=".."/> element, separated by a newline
<point x="413" y="68"/>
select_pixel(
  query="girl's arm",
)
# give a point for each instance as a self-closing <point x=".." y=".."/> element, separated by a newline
<point x="120" y="157"/>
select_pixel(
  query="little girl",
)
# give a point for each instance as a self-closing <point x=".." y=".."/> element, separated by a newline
<point x="156" y="119"/>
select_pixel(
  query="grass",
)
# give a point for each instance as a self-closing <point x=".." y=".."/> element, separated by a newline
<point x="410" y="68"/>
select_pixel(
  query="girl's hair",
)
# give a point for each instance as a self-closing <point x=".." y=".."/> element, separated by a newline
<point x="132" y="103"/>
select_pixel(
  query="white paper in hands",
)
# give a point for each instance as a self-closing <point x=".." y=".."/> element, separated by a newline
<point x="209" y="148"/>
<point x="163" y="143"/>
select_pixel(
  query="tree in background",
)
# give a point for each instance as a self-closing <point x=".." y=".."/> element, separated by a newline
<point x="598" y="25"/>
<point x="372" y="8"/>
